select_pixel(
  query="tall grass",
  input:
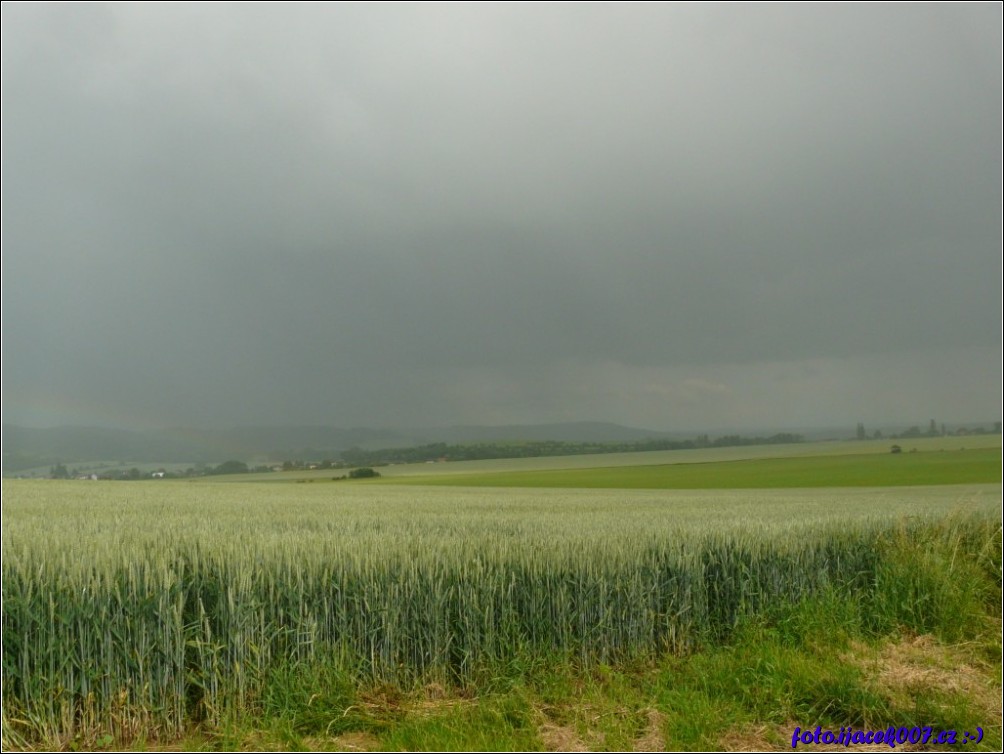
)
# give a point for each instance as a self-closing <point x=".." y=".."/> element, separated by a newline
<point x="132" y="608"/>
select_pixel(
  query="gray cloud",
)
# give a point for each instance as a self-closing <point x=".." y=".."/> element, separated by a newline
<point x="358" y="214"/>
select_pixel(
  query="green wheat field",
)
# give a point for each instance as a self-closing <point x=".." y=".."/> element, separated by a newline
<point x="144" y="611"/>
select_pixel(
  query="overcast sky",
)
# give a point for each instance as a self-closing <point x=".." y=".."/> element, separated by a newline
<point x="670" y="216"/>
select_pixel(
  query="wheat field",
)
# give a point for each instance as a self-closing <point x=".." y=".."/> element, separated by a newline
<point x="152" y="605"/>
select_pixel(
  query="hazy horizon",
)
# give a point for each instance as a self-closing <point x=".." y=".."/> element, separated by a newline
<point x="847" y="428"/>
<point x="673" y="217"/>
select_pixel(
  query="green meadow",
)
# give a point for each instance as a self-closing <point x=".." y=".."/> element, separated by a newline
<point x="413" y="472"/>
<point x="871" y="470"/>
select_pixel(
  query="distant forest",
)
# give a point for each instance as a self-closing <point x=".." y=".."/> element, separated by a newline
<point x="530" y="449"/>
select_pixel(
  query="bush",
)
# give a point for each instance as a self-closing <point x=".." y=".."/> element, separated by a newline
<point x="363" y="473"/>
<point x="230" y="467"/>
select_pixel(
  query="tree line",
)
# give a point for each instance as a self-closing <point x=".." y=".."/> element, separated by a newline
<point x="440" y="451"/>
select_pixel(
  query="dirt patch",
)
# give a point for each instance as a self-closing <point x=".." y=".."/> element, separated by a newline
<point x="434" y="692"/>
<point x="652" y="739"/>
<point x="749" y="738"/>
<point x="920" y="664"/>
<point x="561" y="738"/>
<point x="558" y="737"/>
<point x="435" y="707"/>
<point x="384" y="696"/>
<point x="356" y="741"/>
<point x="898" y="670"/>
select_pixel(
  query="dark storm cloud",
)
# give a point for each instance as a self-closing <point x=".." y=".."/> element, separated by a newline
<point x="385" y="214"/>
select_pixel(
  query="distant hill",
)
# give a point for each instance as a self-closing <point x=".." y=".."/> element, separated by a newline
<point x="567" y="432"/>
<point x="25" y="447"/>
<point x="29" y="447"/>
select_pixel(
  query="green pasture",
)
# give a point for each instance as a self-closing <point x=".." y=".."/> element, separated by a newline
<point x="637" y="458"/>
<point x="863" y="470"/>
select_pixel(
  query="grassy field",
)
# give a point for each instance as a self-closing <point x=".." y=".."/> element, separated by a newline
<point x="362" y="615"/>
<point x="646" y="458"/>
<point x="871" y="470"/>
